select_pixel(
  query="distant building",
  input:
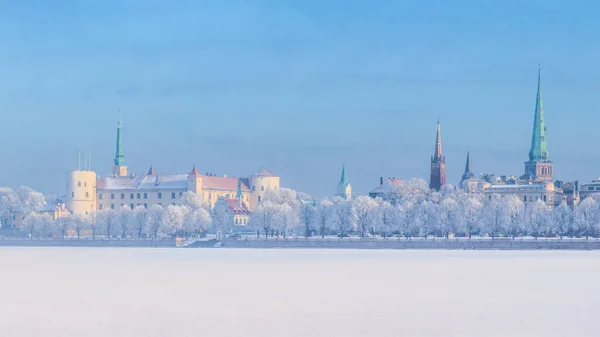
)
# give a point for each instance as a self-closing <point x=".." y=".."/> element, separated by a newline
<point x="469" y="183"/>
<point x="344" y="189"/>
<point x="536" y="183"/>
<point x="438" y="164"/>
<point x="87" y="193"/>
<point x="55" y="209"/>
<point x="385" y="188"/>
<point x="234" y="210"/>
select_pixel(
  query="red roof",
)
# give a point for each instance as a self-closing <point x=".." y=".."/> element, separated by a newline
<point x="235" y="207"/>
<point x="386" y="186"/>
<point x="195" y="171"/>
<point x="222" y="183"/>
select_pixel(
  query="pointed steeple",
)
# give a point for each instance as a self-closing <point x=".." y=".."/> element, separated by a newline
<point x="438" y="143"/>
<point x="344" y="178"/>
<point x="539" y="149"/>
<point x="468" y="174"/>
<point x="119" y="155"/>
<point x="194" y="171"/>
<point x="238" y="195"/>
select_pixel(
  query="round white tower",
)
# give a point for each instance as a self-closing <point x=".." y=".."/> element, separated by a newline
<point x="81" y="192"/>
<point x="261" y="182"/>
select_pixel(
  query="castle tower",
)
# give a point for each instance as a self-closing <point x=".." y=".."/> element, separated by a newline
<point x="438" y="164"/>
<point x="195" y="181"/>
<point x="261" y="182"/>
<point x="538" y="167"/>
<point x="344" y="190"/>
<point x="119" y="169"/>
<point x="81" y="191"/>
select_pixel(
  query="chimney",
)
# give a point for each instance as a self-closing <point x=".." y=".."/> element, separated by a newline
<point x="380" y="180"/>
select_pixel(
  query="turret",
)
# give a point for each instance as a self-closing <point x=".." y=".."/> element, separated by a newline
<point x="538" y="167"/>
<point x="261" y="182"/>
<point x="195" y="181"/>
<point x="119" y="169"/>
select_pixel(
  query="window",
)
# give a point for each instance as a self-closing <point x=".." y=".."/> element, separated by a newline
<point x="227" y="195"/>
<point x="112" y="206"/>
<point x="100" y="207"/>
<point x="530" y="198"/>
<point x="262" y="188"/>
<point x="146" y="206"/>
<point x="537" y="198"/>
<point x="259" y="198"/>
<point x="100" y="196"/>
<point x="236" y="221"/>
<point x="145" y="195"/>
<point x="180" y="194"/>
<point x="112" y="196"/>
<point x="275" y="188"/>
<point x="173" y="195"/>
<point x="253" y="188"/>
<point x="159" y="195"/>
<point x="131" y="206"/>
<point x="209" y="196"/>
<point x="138" y="195"/>
<point x="79" y="184"/>
<point x="131" y="196"/>
<point x="72" y="194"/>
<point x="544" y="198"/>
<point x="85" y="184"/>
<point x="524" y="198"/>
<point x="122" y="196"/>
<point x="87" y="194"/>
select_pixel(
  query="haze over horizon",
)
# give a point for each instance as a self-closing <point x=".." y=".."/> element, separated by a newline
<point x="298" y="87"/>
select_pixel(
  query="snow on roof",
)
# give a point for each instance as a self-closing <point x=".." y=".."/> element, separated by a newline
<point x="222" y="183"/>
<point x="387" y="186"/>
<point x="515" y="187"/>
<point x="235" y="207"/>
<point x="118" y="183"/>
<point x="265" y="173"/>
<point x="144" y="182"/>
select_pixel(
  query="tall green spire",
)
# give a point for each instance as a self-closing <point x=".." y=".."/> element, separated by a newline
<point x="539" y="149"/>
<point x="119" y="155"/>
<point x="344" y="179"/>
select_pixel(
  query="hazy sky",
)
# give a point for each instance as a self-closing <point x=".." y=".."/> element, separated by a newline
<point x="300" y="87"/>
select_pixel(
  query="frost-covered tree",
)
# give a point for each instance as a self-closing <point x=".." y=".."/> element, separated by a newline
<point x="30" y="223"/>
<point x="428" y="218"/>
<point x="562" y="217"/>
<point x="288" y="219"/>
<point x="63" y="224"/>
<point x="155" y="220"/>
<point x="325" y="216"/>
<point x="586" y="217"/>
<point x="196" y="221"/>
<point x="539" y="218"/>
<point x="343" y="216"/>
<point x="450" y="216"/>
<point x="472" y="213"/>
<point x="8" y="202"/>
<point x="493" y="217"/>
<point x="30" y="200"/>
<point x="265" y="217"/>
<point x="174" y="219"/>
<point x="140" y="219"/>
<point x="514" y="209"/>
<point x="107" y="219"/>
<point x="94" y="223"/>
<point x="364" y="209"/>
<point x="308" y="215"/>
<point x="386" y="219"/>
<point x="78" y="223"/>
<point x="125" y="219"/>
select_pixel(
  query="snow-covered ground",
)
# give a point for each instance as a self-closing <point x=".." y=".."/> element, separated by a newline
<point x="278" y="292"/>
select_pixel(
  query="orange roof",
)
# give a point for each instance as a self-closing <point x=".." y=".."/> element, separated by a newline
<point x="222" y="183"/>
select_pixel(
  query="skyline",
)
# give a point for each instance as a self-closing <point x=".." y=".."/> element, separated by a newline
<point x="299" y="88"/>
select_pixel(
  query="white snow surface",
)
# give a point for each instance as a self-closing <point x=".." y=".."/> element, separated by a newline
<point x="278" y="292"/>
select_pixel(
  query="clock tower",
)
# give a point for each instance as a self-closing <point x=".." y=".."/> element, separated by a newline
<point x="539" y="167"/>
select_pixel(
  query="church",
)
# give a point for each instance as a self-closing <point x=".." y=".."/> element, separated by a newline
<point x="87" y="193"/>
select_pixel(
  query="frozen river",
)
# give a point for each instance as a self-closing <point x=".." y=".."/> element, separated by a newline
<point x="219" y="292"/>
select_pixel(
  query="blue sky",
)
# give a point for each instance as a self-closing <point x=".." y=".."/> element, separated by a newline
<point x="300" y="87"/>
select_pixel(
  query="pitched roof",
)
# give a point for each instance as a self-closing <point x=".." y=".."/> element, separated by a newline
<point x="151" y="172"/>
<point x="194" y="171"/>
<point x="263" y="172"/>
<point x="387" y="186"/>
<point x="236" y="208"/>
<point x="223" y="183"/>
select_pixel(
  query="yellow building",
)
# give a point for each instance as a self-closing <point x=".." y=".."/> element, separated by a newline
<point x="85" y="192"/>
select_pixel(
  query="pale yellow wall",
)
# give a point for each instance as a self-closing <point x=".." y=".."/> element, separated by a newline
<point x="258" y="186"/>
<point x="212" y="195"/>
<point x="81" y="192"/>
<point x="529" y="195"/>
<point x="120" y="171"/>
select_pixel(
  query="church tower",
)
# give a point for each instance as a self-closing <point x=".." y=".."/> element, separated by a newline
<point x="119" y="170"/>
<point x="438" y="164"/>
<point x="538" y="168"/>
<point x="344" y="190"/>
<point x="468" y="182"/>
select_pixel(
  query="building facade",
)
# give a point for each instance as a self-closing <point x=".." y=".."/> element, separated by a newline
<point x="87" y="193"/>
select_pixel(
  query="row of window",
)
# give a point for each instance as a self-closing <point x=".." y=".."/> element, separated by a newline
<point x="241" y="221"/>
<point x="524" y="198"/>
<point x="139" y="195"/>
<point x="131" y="206"/>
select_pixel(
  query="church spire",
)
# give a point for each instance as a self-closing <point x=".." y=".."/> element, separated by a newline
<point x="438" y="142"/>
<point x="119" y="169"/>
<point x="468" y="174"/>
<point x="344" y="178"/>
<point x="119" y="155"/>
<point x="539" y="149"/>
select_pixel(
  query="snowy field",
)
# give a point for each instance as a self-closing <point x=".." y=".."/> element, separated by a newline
<point x="218" y="292"/>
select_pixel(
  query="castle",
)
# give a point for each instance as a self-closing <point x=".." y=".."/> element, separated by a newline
<point x="86" y="193"/>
